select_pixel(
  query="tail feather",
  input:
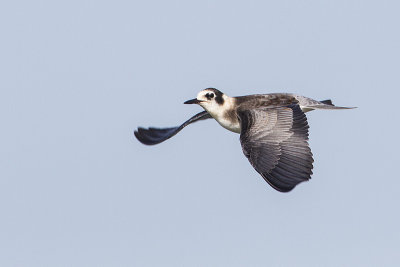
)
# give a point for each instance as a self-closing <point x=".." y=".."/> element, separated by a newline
<point x="327" y="102"/>
<point x="328" y="107"/>
<point x="310" y="104"/>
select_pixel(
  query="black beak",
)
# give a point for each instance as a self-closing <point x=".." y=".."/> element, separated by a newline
<point x="192" y="101"/>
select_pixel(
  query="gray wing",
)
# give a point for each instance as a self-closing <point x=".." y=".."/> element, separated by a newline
<point x="153" y="136"/>
<point x="275" y="142"/>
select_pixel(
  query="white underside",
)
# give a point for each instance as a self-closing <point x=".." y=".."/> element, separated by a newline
<point x="233" y="127"/>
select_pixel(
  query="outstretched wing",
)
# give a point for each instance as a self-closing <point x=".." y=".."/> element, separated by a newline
<point x="153" y="136"/>
<point x="275" y="142"/>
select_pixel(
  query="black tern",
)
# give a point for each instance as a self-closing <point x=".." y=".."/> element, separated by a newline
<point x="273" y="131"/>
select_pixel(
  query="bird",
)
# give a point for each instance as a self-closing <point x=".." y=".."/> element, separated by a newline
<point x="273" y="131"/>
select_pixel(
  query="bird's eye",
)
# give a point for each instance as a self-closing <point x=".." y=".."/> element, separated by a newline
<point x="209" y="96"/>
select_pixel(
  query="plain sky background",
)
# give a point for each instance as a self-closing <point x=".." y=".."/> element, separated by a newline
<point x="77" y="189"/>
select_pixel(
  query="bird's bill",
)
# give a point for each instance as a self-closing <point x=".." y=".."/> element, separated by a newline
<point x="193" y="101"/>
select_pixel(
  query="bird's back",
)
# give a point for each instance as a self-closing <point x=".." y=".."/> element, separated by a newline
<point x="282" y="99"/>
<point x="265" y="100"/>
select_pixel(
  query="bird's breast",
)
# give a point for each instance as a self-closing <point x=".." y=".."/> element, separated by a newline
<point x="228" y="120"/>
<point x="233" y="127"/>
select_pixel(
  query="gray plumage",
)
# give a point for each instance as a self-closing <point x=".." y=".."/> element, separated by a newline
<point x="275" y="142"/>
<point x="273" y="131"/>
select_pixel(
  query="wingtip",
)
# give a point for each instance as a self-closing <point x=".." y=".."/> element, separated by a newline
<point x="136" y="133"/>
<point x="139" y="136"/>
<point x="153" y="136"/>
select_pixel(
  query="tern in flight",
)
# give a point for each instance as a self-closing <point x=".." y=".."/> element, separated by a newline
<point x="273" y="131"/>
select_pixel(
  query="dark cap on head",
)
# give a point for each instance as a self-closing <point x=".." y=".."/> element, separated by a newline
<point x="218" y="95"/>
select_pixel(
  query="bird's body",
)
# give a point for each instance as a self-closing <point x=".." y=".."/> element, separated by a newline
<point x="273" y="131"/>
<point x="226" y="113"/>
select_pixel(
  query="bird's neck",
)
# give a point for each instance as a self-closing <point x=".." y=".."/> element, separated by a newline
<point x="226" y="115"/>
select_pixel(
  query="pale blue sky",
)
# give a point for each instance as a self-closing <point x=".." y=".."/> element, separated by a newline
<point x="77" y="189"/>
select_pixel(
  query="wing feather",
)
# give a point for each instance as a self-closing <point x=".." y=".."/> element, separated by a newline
<point x="275" y="140"/>
<point x="153" y="136"/>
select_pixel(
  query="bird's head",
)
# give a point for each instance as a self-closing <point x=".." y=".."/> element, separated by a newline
<point x="211" y="99"/>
